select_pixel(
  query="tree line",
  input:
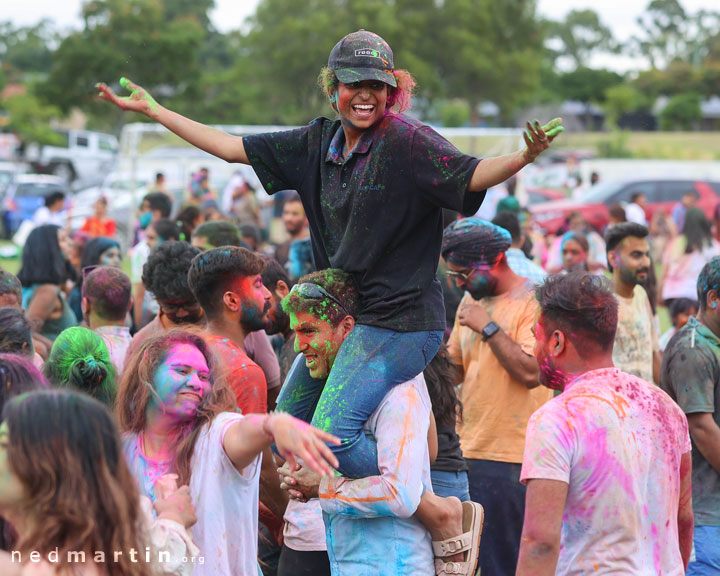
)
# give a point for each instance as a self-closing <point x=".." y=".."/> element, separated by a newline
<point x="461" y="52"/>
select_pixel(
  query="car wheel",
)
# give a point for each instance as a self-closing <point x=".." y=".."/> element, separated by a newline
<point x="64" y="171"/>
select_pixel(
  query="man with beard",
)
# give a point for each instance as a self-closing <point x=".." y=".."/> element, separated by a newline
<point x="607" y="462"/>
<point x="296" y="225"/>
<point x="226" y="282"/>
<point x="492" y="345"/>
<point x="637" y="348"/>
<point x="276" y="280"/>
<point x="165" y="276"/>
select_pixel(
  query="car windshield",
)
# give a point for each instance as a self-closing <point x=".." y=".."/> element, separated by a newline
<point x="601" y="191"/>
<point x="35" y="189"/>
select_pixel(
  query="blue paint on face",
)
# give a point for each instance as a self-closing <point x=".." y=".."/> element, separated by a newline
<point x="181" y="382"/>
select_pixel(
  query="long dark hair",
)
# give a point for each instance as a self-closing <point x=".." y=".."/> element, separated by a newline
<point x="78" y="490"/>
<point x="697" y="230"/>
<point x="446" y="405"/>
<point x="42" y="259"/>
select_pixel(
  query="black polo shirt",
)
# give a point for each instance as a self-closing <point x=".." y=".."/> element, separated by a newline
<point x="378" y="213"/>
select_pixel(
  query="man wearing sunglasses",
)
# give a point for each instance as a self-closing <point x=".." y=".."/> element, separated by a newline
<point x="492" y="345"/>
<point x="380" y="523"/>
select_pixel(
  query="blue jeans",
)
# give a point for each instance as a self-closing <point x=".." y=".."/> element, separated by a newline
<point x="496" y="485"/>
<point x="369" y="363"/>
<point x="445" y="483"/>
<point x="706" y="548"/>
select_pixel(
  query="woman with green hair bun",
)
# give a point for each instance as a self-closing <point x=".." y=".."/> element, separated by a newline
<point x="79" y="359"/>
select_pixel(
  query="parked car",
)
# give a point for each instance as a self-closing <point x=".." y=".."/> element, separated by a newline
<point x="539" y="195"/>
<point x="8" y="171"/>
<point x="661" y="194"/>
<point x="25" y="194"/>
<point x="82" y="156"/>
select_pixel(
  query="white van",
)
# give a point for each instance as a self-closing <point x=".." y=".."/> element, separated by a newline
<point x="83" y="157"/>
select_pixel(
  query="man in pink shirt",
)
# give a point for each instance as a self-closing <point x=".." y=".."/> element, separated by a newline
<point x="607" y="462"/>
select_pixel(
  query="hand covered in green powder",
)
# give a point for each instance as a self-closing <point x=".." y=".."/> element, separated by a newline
<point x="139" y="100"/>
<point x="538" y="138"/>
<point x="299" y="482"/>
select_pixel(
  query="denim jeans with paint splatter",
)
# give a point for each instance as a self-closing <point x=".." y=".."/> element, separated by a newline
<point x="369" y="363"/>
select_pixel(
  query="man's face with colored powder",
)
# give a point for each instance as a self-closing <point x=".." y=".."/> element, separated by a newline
<point x="181" y="382"/>
<point x="550" y="375"/>
<point x="317" y="341"/>
<point x="255" y="302"/>
<point x="479" y="281"/>
<point x="361" y="104"/>
<point x="631" y="259"/>
<point x="573" y="255"/>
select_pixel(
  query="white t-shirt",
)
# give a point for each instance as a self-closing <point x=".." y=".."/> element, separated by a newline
<point x="617" y="442"/>
<point x="370" y="527"/>
<point x="635" y="213"/>
<point x="226" y="501"/>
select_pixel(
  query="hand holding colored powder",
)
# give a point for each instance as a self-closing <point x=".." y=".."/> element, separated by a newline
<point x="538" y="138"/>
<point x="139" y="100"/>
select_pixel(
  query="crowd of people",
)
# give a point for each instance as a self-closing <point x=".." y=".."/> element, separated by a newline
<point x="400" y="387"/>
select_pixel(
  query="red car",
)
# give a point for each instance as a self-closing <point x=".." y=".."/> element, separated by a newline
<point x="661" y="195"/>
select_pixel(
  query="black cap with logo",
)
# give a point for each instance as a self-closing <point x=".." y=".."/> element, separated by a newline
<point x="362" y="55"/>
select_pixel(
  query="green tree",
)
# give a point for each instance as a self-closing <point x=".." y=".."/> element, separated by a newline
<point x="489" y="50"/>
<point x="30" y="119"/>
<point x="26" y="49"/>
<point x="681" y="112"/>
<point x="676" y="78"/>
<point x="621" y="99"/>
<point x="588" y="84"/>
<point x="130" y="38"/>
<point x="664" y="29"/>
<point x="581" y="34"/>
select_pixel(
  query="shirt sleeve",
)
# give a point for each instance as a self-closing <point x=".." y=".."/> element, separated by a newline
<point x="691" y="375"/>
<point x="401" y="434"/>
<point x="548" y="447"/>
<point x="442" y="173"/>
<point x="260" y="350"/>
<point x="280" y="158"/>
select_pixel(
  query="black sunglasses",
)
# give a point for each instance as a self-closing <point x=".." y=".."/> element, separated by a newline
<point x="315" y="292"/>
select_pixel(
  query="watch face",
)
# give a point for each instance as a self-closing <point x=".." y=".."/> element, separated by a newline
<point x="490" y="330"/>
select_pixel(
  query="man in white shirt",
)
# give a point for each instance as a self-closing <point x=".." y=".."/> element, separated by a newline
<point x="637" y="346"/>
<point x="372" y="525"/>
<point x="635" y="210"/>
<point x="607" y="462"/>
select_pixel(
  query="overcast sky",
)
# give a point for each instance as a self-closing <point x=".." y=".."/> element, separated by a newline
<point x="619" y="15"/>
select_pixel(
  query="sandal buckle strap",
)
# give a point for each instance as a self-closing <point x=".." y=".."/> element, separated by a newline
<point x="455" y="568"/>
<point x="452" y="545"/>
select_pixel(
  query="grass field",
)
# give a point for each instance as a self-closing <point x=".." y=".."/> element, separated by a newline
<point x="643" y="145"/>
